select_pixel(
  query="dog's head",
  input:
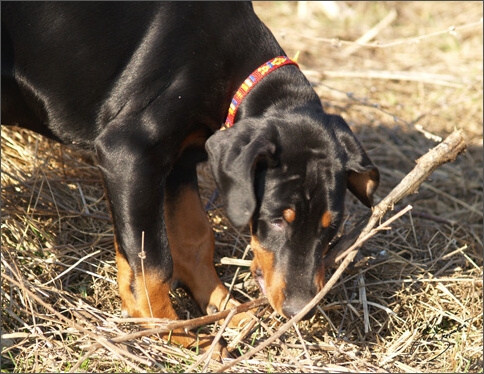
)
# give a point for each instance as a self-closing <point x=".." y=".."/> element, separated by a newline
<point x="288" y="181"/>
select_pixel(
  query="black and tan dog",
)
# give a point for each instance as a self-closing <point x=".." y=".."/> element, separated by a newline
<point x="146" y="86"/>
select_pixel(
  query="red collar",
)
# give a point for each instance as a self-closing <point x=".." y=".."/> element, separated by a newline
<point x="254" y="78"/>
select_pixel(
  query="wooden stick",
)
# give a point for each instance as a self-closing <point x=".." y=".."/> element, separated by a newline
<point x="372" y="33"/>
<point x="408" y="76"/>
<point x="446" y="151"/>
<point x="452" y="30"/>
<point x="169" y="325"/>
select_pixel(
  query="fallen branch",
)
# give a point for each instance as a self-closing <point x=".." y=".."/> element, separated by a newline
<point x="406" y="76"/>
<point x="110" y="344"/>
<point x="452" y="30"/>
<point x="167" y="325"/>
<point x="446" y="151"/>
<point x="372" y="33"/>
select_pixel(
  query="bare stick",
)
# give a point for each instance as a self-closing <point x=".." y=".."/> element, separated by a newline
<point x="408" y="76"/>
<point x="446" y="151"/>
<point x="208" y="354"/>
<point x="168" y="325"/>
<point x="370" y="34"/>
<point x="452" y="30"/>
<point x="142" y="256"/>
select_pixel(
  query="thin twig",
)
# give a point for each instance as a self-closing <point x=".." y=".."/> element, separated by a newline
<point x="364" y="301"/>
<point x="173" y="325"/>
<point x="82" y="259"/>
<point x="142" y="256"/>
<point x="169" y="325"/>
<point x="370" y="34"/>
<point x="409" y="76"/>
<point x="208" y="354"/>
<point x="305" y="349"/>
<point x="413" y="40"/>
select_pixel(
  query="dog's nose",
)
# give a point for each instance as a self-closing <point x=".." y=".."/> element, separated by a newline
<point x="291" y="308"/>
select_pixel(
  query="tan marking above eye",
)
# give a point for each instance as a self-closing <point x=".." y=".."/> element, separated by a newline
<point x="326" y="219"/>
<point x="289" y="215"/>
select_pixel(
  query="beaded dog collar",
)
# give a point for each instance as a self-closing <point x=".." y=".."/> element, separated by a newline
<point x="254" y="78"/>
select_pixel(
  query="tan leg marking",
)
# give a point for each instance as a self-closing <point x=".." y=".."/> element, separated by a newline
<point x="159" y="305"/>
<point x="192" y="247"/>
<point x="151" y="299"/>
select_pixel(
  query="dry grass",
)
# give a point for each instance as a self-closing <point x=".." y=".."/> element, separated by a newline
<point x="416" y="306"/>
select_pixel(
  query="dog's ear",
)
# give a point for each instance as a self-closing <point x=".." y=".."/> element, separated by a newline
<point x="233" y="156"/>
<point x="363" y="176"/>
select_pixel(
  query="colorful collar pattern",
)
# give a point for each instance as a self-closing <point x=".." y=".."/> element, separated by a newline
<point x="250" y="83"/>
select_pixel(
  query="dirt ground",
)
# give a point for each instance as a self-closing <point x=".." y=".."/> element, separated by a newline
<point x="414" y="76"/>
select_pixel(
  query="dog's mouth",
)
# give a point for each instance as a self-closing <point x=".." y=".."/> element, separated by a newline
<point x="259" y="277"/>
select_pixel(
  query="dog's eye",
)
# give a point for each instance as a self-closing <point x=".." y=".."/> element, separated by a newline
<point x="278" y="223"/>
